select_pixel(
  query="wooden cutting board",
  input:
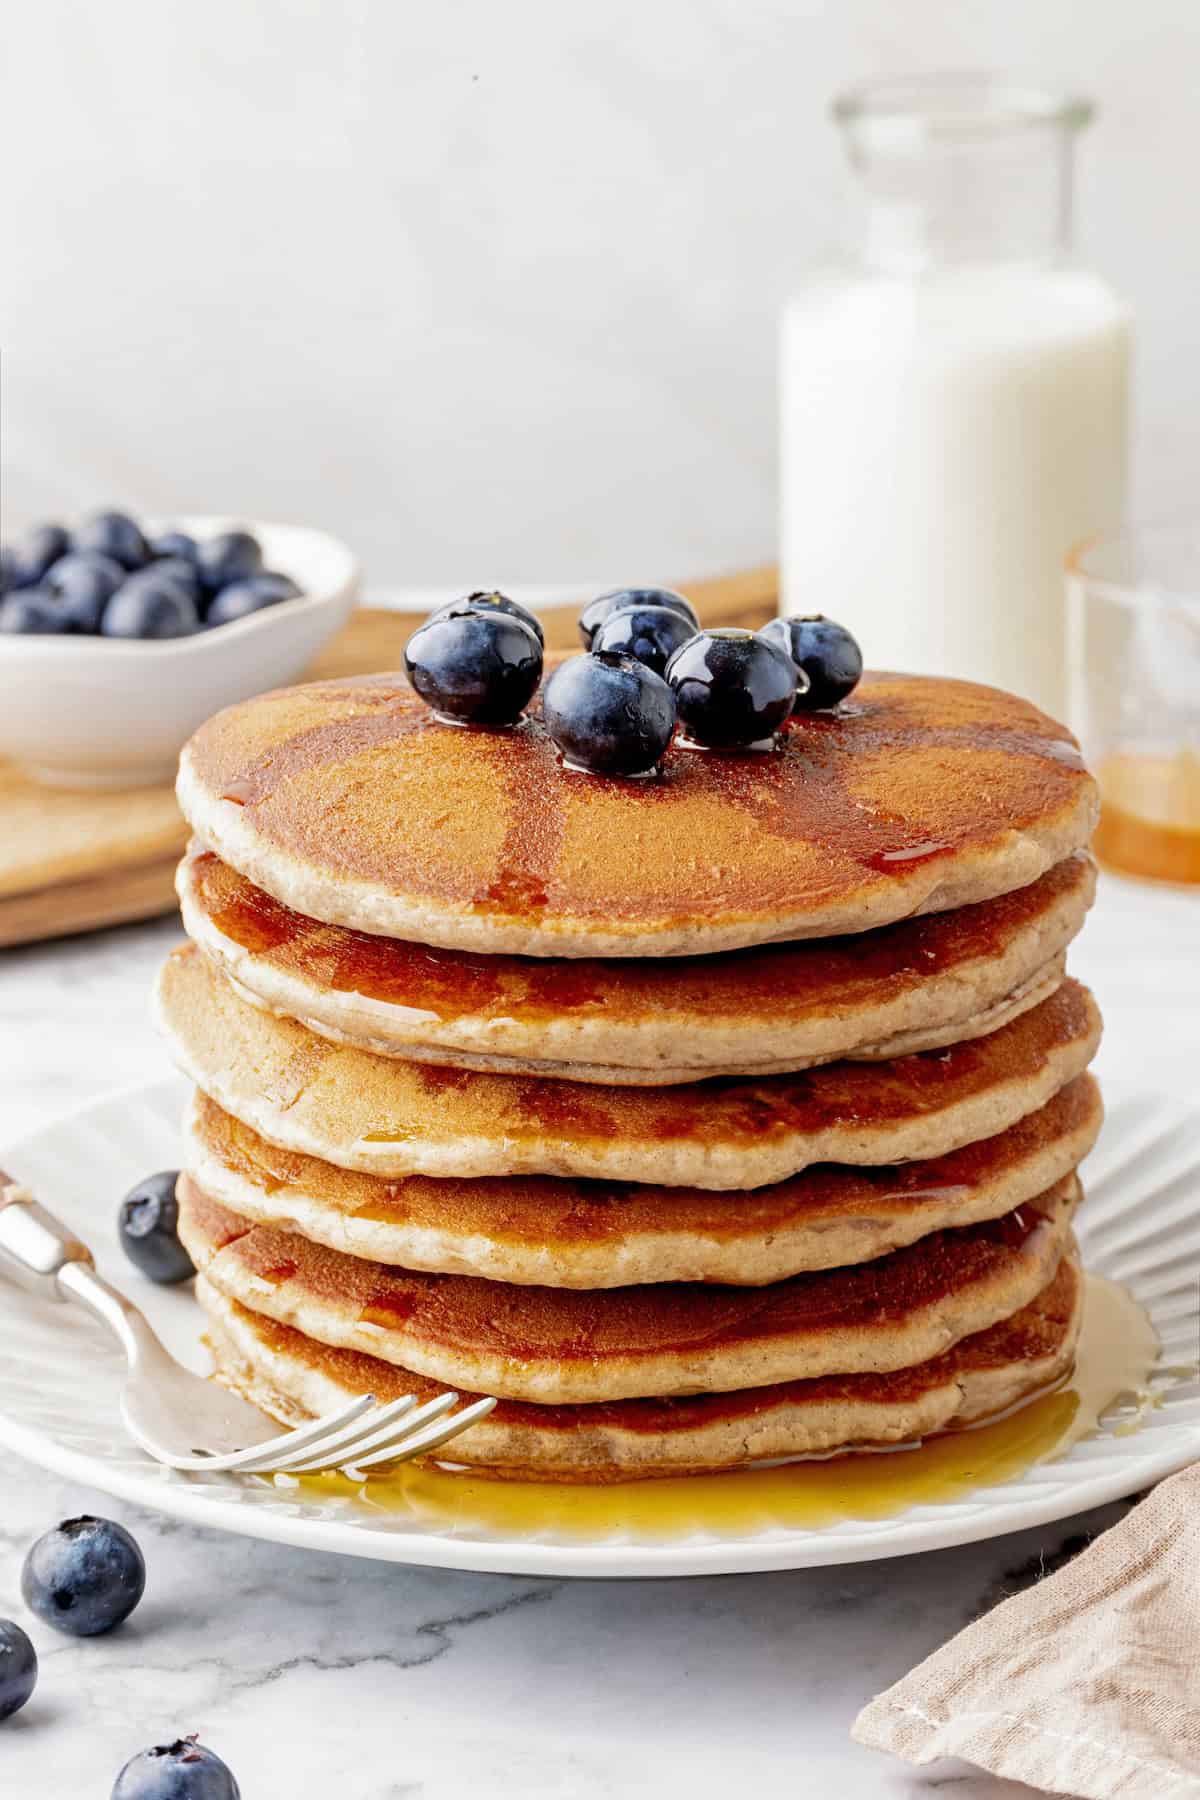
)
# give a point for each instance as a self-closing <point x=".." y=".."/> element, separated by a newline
<point x="73" y="861"/>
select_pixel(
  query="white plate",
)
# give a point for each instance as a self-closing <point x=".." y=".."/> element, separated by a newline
<point x="59" y="1379"/>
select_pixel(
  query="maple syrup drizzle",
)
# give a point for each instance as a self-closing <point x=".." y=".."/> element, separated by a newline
<point x="387" y="716"/>
<point x="769" y="791"/>
<point x="1111" y="1386"/>
<point x="908" y="854"/>
<point x="528" y="856"/>
<point x="284" y="1086"/>
<point x="273" y="1275"/>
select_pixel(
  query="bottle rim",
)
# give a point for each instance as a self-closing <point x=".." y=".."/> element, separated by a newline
<point x="907" y="112"/>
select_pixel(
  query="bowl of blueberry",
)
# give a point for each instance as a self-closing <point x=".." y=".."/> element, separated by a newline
<point x="119" y="637"/>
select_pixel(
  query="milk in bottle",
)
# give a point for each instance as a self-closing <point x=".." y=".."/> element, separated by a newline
<point x="953" y="403"/>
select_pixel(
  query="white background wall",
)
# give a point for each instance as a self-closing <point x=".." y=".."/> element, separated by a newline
<point x="489" y="286"/>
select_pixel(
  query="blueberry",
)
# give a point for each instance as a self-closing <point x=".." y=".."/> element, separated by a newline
<point x="179" y="572"/>
<point x="274" y="581"/>
<point x="609" y="713"/>
<point x="113" y="534"/>
<point x="8" y="568"/>
<point x="732" y="687"/>
<point x="18" y="1668"/>
<point x="173" y="544"/>
<point x="823" y="651"/>
<point x="36" y="552"/>
<point x="241" y="598"/>
<point x="480" y="667"/>
<point x="32" y="610"/>
<point x="617" y="599"/>
<point x="493" y="602"/>
<point x="84" y="581"/>
<point x="84" y="1577"/>
<point x="652" y="634"/>
<point x="232" y="556"/>
<point x="148" y="1227"/>
<point x="184" y="1770"/>
<point x="150" y="606"/>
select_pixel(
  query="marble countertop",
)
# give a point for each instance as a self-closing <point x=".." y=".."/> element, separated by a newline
<point x="317" y="1675"/>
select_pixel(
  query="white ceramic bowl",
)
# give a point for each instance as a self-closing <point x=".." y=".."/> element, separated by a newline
<point x="114" y="713"/>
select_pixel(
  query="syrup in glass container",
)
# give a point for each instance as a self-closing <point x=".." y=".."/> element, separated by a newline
<point x="1150" y="815"/>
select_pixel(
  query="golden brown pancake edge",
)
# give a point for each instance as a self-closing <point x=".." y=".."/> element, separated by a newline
<point x="541" y="1230"/>
<point x="293" y="1378"/>
<point x="569" y="1345"/>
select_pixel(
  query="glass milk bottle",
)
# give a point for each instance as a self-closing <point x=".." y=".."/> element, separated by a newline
<point x="953" y="401"/>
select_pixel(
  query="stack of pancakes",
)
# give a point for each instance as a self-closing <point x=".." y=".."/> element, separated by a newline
<point x="721" y="1117"/>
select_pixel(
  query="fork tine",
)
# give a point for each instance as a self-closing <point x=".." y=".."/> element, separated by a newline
<point x="333" y="1451"/>
<point x="330" y="1453"/>
<point x="288" y="1443"/>
<point x="387" y="1448"/>
<point x="437" y="1431"/>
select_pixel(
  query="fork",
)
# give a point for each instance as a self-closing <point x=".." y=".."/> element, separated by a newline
<point x="188" y="1422"/>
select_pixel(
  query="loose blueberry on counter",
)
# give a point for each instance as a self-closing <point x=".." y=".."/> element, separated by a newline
<point x="493" y="602"/>
<point x="113" y="534"/>
<point x="480" y="667"/>
<point x="32" y="610"/>
<point x="84" y="1577"/>
<point x="184" y="1770"/>
<point x="617" y="599"/>
<point x="608" y="713"/>
<point x="150" y="606"/>
<point x="18" y="1668"/>
<point x="84" y="582"/>
<point x="650" y="634"/>
<point x="228" y="557"/>
<point x="148" y="1227"/>
<point x="241" y="598"/>
<point x="732" y="688"/>
<point x="175" y="543"/>
<point x="823" y="651"/>
<point x="36" y="552"/>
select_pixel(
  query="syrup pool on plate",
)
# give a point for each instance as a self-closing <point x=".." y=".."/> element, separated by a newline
<point x="1110" y="1389"/>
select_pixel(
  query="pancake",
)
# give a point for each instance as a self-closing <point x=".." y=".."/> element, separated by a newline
<point x="351" y="803"/>
<point x="571" y="1346"/>
<point x="906" y="987"/>
<point x="294" y="1378"/>
<point x="391" y="1118"/>
<point x="536" y="1230"/>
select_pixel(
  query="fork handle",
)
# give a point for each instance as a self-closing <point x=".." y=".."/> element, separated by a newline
<point x="35" y="1247"/>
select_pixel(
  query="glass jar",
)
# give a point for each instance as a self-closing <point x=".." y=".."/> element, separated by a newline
<point x="953" y="397"/>
<point x="1135" y="694"/>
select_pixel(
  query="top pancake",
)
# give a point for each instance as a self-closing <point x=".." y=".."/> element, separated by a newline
<point x="348" y="801"/>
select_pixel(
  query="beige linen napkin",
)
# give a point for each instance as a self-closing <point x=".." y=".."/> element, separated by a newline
<point x="1088" y="1684"/>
